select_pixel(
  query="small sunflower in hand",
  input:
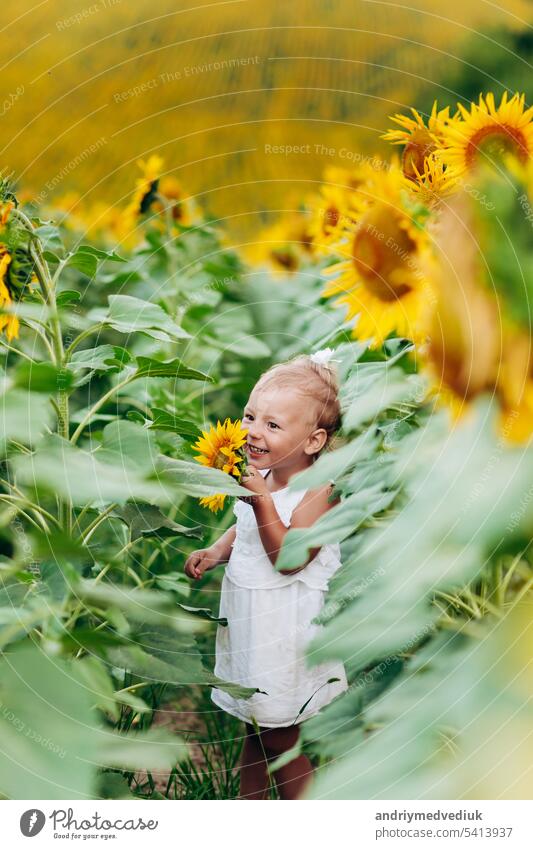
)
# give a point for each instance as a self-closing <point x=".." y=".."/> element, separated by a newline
<point x="221" y="448"/>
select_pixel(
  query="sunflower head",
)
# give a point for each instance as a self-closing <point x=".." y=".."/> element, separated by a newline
<point x="8" y="323"/>
<point x="221" y="448"/>
<point x="381" y="279"/>
<point x="333" y="210"/>
<point x="181" y="206"/>
<point x="515" y="385"/>
<point x="419" y="140"/>
<point x="436" y="182"/>
<point x="213" y="502"/>
<point x="488" y="133"/>
<point x="284" y="246"/>
<point x="463" y="328"/>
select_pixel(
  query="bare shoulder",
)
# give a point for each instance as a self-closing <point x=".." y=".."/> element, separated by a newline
<point x="314" y="504"/>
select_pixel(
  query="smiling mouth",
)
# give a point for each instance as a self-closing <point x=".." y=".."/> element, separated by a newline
<point x="254" y="450"/>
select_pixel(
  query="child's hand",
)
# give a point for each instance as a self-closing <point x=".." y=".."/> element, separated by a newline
<point x="200" y="561"/>
<point x="255" y="482"/>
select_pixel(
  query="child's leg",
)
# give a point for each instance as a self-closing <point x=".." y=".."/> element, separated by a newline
<point x="293" y="778"/>
<point x="254" y="776"/>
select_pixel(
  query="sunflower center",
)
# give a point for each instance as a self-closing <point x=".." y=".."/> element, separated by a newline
<point x="220" y="460"/>
<point x="331" y="218"/>
<point x="496" y="140"/>
<point x="419" y="146"/>
<point x="285" y="258"/>
<point x="380" y="247"/>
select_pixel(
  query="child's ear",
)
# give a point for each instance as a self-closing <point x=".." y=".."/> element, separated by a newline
<point x="316" y="441"/>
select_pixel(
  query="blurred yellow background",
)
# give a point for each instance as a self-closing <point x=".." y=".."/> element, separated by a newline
<point x="214" y="87"/>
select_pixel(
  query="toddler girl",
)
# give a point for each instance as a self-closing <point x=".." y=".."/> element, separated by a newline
<point x="291" y="415"/>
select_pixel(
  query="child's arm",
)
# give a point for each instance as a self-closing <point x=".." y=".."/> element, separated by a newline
<point x="207" y="558"/>
<point x="272" y="530"/>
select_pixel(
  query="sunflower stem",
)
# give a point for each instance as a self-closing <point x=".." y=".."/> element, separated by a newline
<point x="47" y="284"/>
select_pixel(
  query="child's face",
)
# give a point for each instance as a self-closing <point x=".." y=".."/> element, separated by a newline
<point x="282" y="422"/>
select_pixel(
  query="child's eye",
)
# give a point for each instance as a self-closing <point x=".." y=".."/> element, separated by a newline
<point x="273" y="423"/>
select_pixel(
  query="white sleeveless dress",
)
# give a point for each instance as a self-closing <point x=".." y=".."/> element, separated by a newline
<point x="270" y="624"/>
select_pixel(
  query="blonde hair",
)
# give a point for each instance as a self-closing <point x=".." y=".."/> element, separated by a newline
<point x="319" y="381"/>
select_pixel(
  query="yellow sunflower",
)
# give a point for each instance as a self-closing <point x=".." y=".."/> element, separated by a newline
<point x="488" y="132"/>
<point x="419" y="140"/>
<point x="144" y="195"/>
<point x="213" y="502"/>
<point x="463" y="350"/>
<point x="283" y="246"/>
<point x="182" y="208"/>
<point x="515" y="385"/>
<point x="9" y="323"/>
<point x="381" y="280"/>
<point x="220" y="449"/>
<point x="437" y="181"/>
<point x="5" y="208"/>
<point x="333" y="210"/>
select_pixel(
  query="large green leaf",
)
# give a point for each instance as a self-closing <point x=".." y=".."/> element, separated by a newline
<point x="42" y="377"/>
<point x="141" y="605"/>
<point x="373" y="388"/>
<point x="128" y="445"/>
<point x="86" y="259"/>
<point x="146" y="520"/>
<point x="24" y="416"/>
<point x="332" y="527"/>
<point x="147" y="367"/>
<point x="131" y="315"/>
<point x="157" y="662"/>
<point x="48" y="730"/>
<point x="198" y="480"/>
<point x="156" y="749"/>
<point x="331" y="465"/>
<point x="59" y="468"/>
<point x="163" y="420"/>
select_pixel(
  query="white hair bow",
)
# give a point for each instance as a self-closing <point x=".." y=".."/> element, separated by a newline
<point x="324" y="356"/>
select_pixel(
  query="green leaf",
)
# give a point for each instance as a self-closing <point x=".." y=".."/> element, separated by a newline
<point x="375" y="387"/>
<point x="24" y="416"/>
<point x="50" y="238"/>
<point x="135" y="702"/>
<point x="141" y="605"/>
<point x="197" y="480"/>
<point x="61" y="469"/>
<point x="147" y="367"/>
<point x="161" y="660"/>
<point x="101" y="358"/>
<point x="155" y="749"/>
<point x="67" y="297"/>
<point x="204" y="613"/>
<point x="59" y="577"/>
<point x="42" y="377"/>
<point x="128" y="445"/>
<point x="131" y="315"/>
<point x="48" y="730"/>
<point x="331" y="465"/>
<point x="86" y="259"/>
<point x="246" y="346"/>
<point x="98" y="685"/>
<point x="332" y="527"/>
<point x="176" y="582"/>
<point x="145" y="520"/>
<point x="162" y="420"/>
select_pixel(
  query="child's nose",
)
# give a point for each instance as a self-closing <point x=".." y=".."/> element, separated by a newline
<point x="254" y="431"/>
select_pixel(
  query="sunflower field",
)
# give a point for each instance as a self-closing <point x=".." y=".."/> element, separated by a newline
<point x="128" y="334"/>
